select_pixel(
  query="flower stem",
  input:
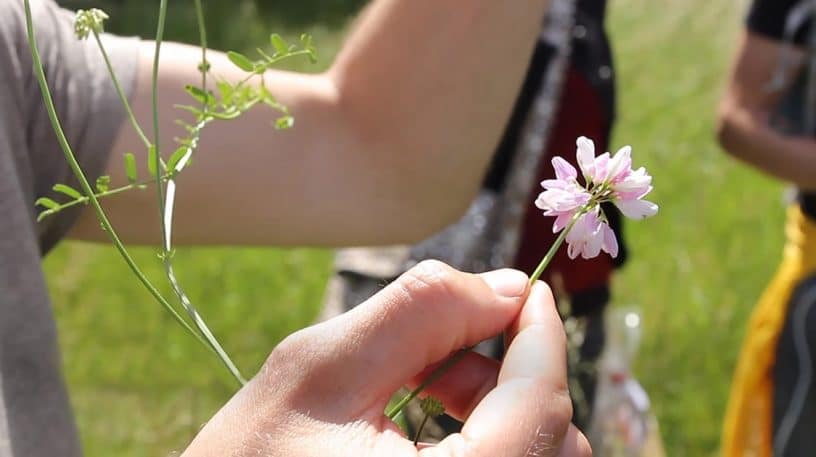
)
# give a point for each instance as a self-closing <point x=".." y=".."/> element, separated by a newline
<point x="121" y="92"/>
<point x="433" y="377"/>
<point x="166" y="199"/>
<point x="557" y="244"/>
<point x="39" y="73"/>
<point x="421" y="427"/>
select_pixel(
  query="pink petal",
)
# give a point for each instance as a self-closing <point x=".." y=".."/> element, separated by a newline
<point x="585" y="156"/>
<point x="636" y="209"/>
<point x="554" y="184"/>
<point x="572" y="251"/>
<point x="634" y="195"/>
<point x="561" y="221"/>
<point x="563" y="170"/>
<point x="601" y="168"/>
<point x="592" y="247"/>
<point x="636" y="182"/>
<point x="610" y="243"/>
<point x="621" y="164"/>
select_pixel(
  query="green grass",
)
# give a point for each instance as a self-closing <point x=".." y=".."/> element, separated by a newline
<point x="140" y="386"/>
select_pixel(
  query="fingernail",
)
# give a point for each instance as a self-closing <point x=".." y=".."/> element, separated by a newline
<point x="506" y="282"/>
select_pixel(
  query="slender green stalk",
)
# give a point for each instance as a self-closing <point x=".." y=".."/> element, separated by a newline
<point x="155" y="109"/>
<point x="166" y="207"/>
<point x="202" y="36"/>
<point x="84" y="200"/>
<point x="432" y="378"/>
<point x="554" y="248"/>
<point x="83" y="181"/>
<point x="121" y="93"/>
<point x="421" y="427"/>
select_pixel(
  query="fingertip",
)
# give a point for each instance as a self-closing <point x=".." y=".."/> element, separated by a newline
<point x="575" y="444"/>
<point x="539" y="309"/>
<point x="507" y="282"/>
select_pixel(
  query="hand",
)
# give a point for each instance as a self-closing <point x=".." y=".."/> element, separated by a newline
<point x="323" y="390"/>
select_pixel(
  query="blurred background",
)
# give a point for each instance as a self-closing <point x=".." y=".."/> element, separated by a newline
<point x="695" y="271"/>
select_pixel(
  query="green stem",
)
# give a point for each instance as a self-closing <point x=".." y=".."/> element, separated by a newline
<point x="202" y="35"/>
<point x="433" y="377"/>
<point x="554" y="248"/>
<point x="155" y="109"/>
<point x="121" y="93"/>
<point x="39" y="73"/>
<point x="85" y="199"/>
<point x="165" y="210"/>
<point x="421" y="427"/>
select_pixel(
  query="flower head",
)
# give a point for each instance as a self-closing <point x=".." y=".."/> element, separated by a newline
<point x="576" y="207"/>
<point x="87" y="21"/>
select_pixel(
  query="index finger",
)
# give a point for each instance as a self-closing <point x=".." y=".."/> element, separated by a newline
<point x="530" y="407"/>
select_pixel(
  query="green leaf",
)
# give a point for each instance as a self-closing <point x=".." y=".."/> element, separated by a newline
<point x="279" y="44"/>
<point x="68" y="190"/>
<point x="130" y="167"/>
<point x="47" y="202"/>
<point x="176" y="157"/>
<point x="103" y="183"/>
<point x="198" y="94"/>
<point x="241" y="61"/>
<point x="152" y="158"/>
<point x="226" y="91"/>
<point x="306" y="42"/>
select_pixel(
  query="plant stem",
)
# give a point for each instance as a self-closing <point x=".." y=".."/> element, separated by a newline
<point x="421" y="427"/>
<point x="83" y="181"/>
<point x="155" y="109"/>
<point x="202" y="36"/>
<point x="554" y="248"/>
<point x="121" y="92"/>
<point x="433" y="377"/>
<point x="85" y="199"/>
<point x="166" y="204"/>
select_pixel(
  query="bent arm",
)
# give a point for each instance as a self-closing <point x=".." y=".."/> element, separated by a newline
<point x="388" y="146"/>
<point x="743" y="127"/>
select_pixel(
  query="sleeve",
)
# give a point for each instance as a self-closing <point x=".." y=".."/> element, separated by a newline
<point x="768" y="18"/>
<point x="87" y="103"/>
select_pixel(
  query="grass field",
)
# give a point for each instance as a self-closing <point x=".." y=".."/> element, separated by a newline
<point x="695" y="270"/>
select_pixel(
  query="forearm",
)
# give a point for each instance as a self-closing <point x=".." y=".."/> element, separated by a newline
<point x="748" y="137"/>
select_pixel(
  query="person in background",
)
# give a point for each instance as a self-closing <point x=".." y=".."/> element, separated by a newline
<point x="766" y="119"/>
<point x="568" y="92"/>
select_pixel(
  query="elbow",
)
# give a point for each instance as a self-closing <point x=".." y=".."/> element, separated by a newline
<point x="727" y="130"/>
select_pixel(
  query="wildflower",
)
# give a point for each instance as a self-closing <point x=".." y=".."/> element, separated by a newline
<point x="87" y="21"/>
<point x="576" y="207"/>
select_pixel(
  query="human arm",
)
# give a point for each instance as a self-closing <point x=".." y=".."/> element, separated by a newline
<point x="389" y="145"/>
<point x="323" y="390"/>
<point x="743" y="127"/>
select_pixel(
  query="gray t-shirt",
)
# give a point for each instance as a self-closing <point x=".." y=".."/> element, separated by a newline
<point x="35" y="416"/>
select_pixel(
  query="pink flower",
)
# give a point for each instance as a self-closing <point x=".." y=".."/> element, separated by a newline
<point x="563" y="196"/>
<point x="589" y="236"/>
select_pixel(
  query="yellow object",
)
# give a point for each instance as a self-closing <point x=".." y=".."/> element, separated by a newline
<point x="747" y="429"/>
